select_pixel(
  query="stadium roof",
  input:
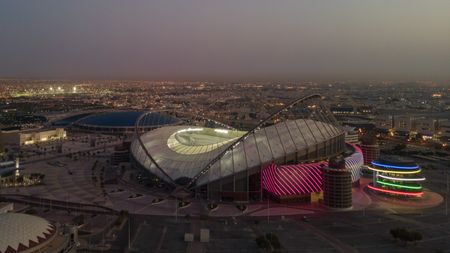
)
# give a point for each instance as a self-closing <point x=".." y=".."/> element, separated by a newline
<point x="125" y="119"/>
<point x="183" y="151"/>
<point x="19" y="232"/>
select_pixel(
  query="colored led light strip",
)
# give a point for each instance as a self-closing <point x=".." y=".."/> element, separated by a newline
<point x="273" y="181"/>
<point x="292" y="179"/>
<point x="396" y="171"/>
<point x="400" y="185"/>
<point x="402" y="179"/>
<point x="395" y="167"/>
<point x="298" y="179"/>
<point x="414" y="194"/>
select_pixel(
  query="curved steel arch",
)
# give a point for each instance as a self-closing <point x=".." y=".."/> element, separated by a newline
<point x="138" y="137"/>
<point x="253" y="130"/>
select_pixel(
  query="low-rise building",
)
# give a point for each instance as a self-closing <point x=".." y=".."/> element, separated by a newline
<point x="18" y="138"/>
<point x="351" y="135"/>
<point x="425" y="127"/>
<point x="444" y="130"/>
<point x="384" y="123"/>
<point x="403" y="125"/>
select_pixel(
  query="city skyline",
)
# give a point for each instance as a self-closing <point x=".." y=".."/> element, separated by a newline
<point x="205" y="166"/>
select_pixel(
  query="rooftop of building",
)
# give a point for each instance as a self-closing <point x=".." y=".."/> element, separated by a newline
<point x="125" y="119"/>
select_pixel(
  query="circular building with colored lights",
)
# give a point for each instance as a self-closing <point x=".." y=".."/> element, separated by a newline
<point x="397" y="177"/>
<point x="122" y="122"/>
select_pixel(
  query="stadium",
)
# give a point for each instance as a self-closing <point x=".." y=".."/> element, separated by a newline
<point x="119" y="122"/>
<point x="280" y="157"/>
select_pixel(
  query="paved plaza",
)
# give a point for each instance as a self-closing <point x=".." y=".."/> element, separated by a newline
<point x="300" y="227"/>
<point x="356" y="231"/>
<point x="66" y="180"/>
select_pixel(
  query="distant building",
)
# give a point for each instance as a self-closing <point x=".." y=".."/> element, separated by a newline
<point x="343" y="110"/>
<point x="403" y="125"/>
<point x="351" y="135"/>
<point x="365" y="110"/>
<point x="17" y="138"/>
<point x="444" y="130"/>
<point x="384" y="123"/>
<point x="426" y="128"/>
<point x="122" y="122"/>
<point x="6" y="169"/>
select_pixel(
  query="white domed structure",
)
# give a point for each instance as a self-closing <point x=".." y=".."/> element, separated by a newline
<point x="225" y="164"/>
<point x="184" y="150"/>
<point x="24" y="233"/>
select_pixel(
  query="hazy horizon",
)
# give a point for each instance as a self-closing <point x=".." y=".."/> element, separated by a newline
<point x="226" y="40"/>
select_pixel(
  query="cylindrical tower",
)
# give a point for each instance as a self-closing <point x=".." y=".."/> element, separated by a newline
<point x="370" y="148"/>
<point x="337" y="184"/>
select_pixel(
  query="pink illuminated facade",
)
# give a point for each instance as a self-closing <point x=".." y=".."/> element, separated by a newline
<point x="292" y="180"/>
<point x="304" y="179"/>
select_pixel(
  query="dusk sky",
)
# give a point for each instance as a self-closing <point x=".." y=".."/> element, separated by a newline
<point x="226" y="40"/>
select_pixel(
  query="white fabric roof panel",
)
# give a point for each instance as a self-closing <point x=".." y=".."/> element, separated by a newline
<point x="251" y="152"/>
<point x="285" y="137"/>
<point x="306" y="132"/>
<point x="27" y="230"/>
<point x="226" y="164"/>
<point x="239" y="160"/>
<point x="297" y="137"/>
<point x="187" y="159"/>
<point x="274" y="142"/>
<point x="265" y="154"/>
